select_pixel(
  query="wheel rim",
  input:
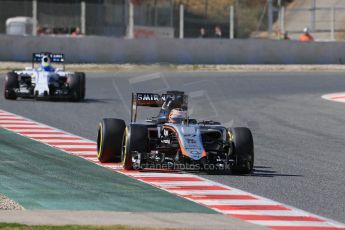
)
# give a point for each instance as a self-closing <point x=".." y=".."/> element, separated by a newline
<point x="124" y="145"/>
<point x="99" y="141"/>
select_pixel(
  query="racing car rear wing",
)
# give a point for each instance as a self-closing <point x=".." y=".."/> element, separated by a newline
<point x="155" y="100"/>
<point x="54" y="58"/>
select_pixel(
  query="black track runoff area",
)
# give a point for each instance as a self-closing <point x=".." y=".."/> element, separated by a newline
<point x="299" y="137"/>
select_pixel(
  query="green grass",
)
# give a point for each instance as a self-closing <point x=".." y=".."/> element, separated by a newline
<point x="73" y="227"/>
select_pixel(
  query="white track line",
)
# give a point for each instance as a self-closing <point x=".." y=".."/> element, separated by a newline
<point x="56" y="136"/>
<point x="81" y="146"/>
<point x="167" y="175"/>
<point x="20" y="125"/>
<point x="290" y="223"/>
<point x="179" y="183"/>
<point x="236" y="202"/>
<point x="10" y="117"/>
<point x="4" y="122"/>
<point x="82" y="152"/>
<point x="336" y="97"/>
<point x="77" y="142"/>
<point x="206" y="192"/>
<point x="267" y="213"/>
<point x="33" y="131"/>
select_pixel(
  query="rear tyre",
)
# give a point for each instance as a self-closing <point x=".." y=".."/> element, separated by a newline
<point x="82" y="84"/>
<point x="74" y="83"/>
<point x="136" y="140"/>
<point x="11" y="83"/>
<point x="109" y="140"/>
<point x="243" y="146"/>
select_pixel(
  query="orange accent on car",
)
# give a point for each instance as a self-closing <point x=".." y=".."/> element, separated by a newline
<point x="183" y="150"/>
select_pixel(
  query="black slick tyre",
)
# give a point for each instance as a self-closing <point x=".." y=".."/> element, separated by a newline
<point x="82" y="82"/>
<point x="73" y="81"/>
<point x="11" y="83"/>
<point x="110" y="139"/>
<point x="136" y="140"/>
<point x="243" y="147"/>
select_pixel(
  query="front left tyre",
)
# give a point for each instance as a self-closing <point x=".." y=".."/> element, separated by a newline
<point x="135" y="141"/>
<point x="110" y="140"/>
<point x="11" y="83"/>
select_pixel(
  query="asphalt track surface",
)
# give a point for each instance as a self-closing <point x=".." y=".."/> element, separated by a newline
<point x="299" y="137"/>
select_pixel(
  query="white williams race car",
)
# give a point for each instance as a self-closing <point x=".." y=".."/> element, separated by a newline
<point x="45" y="81"/>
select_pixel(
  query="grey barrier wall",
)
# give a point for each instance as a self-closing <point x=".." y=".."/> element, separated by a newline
<point x="95" y="49"/>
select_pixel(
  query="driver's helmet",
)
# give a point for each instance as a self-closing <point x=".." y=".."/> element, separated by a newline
<point x="177" y="115"/>
<point x="45" y="61"/>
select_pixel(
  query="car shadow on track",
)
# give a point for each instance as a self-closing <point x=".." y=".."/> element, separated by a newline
<point x="86" y="100"/>
<point x="264" y="171"/>
<point x="259" y="171"/>
<point x="104" y="101"/>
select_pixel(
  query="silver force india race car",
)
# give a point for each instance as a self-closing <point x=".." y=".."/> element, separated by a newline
<point x="45" y="81"/>
<point x="172" y="140"/>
